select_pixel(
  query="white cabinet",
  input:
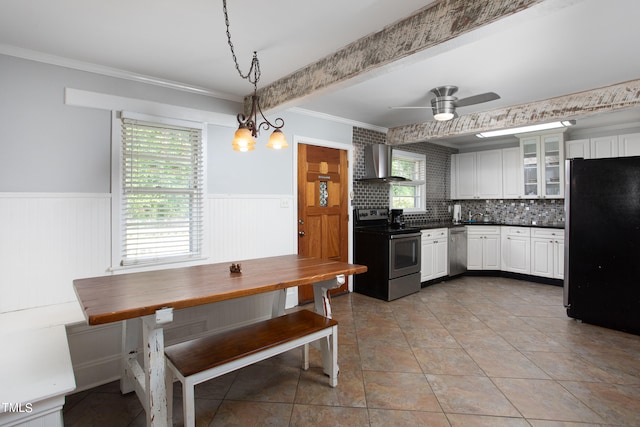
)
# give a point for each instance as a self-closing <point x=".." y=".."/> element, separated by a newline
<point x="547" y="252"/>
<point x="578" y="148"/>
<point x="466" y="175"/>
<point x="629" y="144"/>
<point x="435" y="255"/>
<point x="604" y="147"/>
<point x="511" y="173"/>
<point x="543" y="165"/>
<point x="478" y="175"/>
<point x="483" y="247"/>
<point x="516" y="249"/>
<point x="489" y="174"/>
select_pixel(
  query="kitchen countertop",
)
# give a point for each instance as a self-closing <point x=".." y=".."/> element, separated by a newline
<point x="446" y="224"/>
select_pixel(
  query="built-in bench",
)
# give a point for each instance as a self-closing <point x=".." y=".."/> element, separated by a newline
<point x="35" y="370"/>
<point x="193" y="362"/>
<point x="35" y="374"/>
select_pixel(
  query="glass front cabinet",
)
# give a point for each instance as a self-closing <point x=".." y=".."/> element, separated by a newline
<point x="543" y="165"/>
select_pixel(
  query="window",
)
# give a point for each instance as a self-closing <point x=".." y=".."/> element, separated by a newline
<point x="160" y="186"/>
<point x="409" y="195"/>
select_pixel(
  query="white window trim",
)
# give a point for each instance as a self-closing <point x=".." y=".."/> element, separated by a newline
<point x="422" y="185"/>
<point x="116" y="185"/>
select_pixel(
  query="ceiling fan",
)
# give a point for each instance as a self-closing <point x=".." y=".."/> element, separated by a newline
<point x="444" y="104"/>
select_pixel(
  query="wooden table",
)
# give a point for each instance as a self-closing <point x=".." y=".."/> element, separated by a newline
<point x="145" y="301"/>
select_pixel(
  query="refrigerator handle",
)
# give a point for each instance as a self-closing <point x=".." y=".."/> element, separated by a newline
<point x="567" y="223"/>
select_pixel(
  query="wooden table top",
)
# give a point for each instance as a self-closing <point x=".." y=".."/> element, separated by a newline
<point x="125" y="296"/>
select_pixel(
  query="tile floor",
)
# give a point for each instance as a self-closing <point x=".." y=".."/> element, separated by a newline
<point x="473" y="351"/>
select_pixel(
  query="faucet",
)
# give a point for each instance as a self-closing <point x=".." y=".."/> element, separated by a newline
<point x="475" y="214"/>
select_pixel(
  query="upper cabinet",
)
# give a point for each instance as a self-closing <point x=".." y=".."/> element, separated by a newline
<point x="543" y="165"/>
<point x="478" y="175"/>
<point x="578" y="148"/>
<point x="604" y="147"/>
<point x="511" y="173"/>
<point x="629" y="145"/>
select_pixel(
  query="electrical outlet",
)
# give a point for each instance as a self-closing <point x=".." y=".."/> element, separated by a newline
<point x="284" y="203"/>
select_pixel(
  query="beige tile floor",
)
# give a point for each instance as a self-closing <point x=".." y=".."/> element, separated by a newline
<point x="473" y="351"/>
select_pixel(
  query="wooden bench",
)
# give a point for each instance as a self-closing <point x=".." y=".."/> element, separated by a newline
<point x="193" y="362"/>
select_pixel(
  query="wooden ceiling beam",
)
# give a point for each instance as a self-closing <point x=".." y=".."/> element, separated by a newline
<point x="428" y="27"/>
<point x="578" y="105"/>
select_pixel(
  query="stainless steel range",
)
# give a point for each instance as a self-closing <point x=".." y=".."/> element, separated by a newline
<point x="391" y="252"/>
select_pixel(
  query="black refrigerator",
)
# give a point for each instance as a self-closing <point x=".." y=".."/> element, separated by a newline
<point x="602" y="242"/>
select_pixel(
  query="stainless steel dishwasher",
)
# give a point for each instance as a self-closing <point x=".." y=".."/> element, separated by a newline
<point x="457" y="250"/>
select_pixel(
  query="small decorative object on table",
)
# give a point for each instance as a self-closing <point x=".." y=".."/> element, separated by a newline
<point x="235" y="268"/>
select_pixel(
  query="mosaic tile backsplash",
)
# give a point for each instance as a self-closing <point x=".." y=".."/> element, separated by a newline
<point x="439" y="203"/>
<point x="515" y="211"/>
<point x="376" y="195"/>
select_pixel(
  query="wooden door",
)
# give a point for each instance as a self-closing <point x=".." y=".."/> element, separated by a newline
<point x="323" y="218"/>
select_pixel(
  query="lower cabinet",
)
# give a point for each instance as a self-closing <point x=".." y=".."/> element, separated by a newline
<point x="483" y="247"/>
<point x="435" y="253"/>
<point x="547" y="253"/>
<point x="516" y="249"/>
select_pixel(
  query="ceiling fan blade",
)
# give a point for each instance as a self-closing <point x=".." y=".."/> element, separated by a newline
<point x="410" y="108"/>
<point x="476" y="99"/>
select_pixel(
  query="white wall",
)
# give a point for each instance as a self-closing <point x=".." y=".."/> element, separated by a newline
<point x="55" y="201"/>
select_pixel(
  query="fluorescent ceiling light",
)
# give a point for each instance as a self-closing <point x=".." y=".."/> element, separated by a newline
<point x="525" y="129"/>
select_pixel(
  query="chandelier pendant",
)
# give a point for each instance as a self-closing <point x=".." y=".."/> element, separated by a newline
<point x="248" y="127"/>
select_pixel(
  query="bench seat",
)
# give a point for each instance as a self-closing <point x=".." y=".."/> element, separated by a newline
<point x="195" y="361"/>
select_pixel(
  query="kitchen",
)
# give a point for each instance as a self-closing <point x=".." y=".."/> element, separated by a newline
<point x="75" y="196"/>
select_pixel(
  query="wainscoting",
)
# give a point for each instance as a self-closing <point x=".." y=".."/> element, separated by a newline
<point x="50" y="239"/>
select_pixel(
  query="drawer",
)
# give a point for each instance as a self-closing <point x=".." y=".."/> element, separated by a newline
<point x="434" y="233"/>
<point x="516" y="231"/>
<point x="551" y="233"/>
<point x="483" y="229"/>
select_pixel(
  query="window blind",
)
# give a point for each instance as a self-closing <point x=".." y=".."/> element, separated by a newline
<point x="162" y="192"/>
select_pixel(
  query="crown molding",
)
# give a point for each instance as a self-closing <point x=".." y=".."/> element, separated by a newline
<point x="337" y="119"/>
<point x="111" y="72"/>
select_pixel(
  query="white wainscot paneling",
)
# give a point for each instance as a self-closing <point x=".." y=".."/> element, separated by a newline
<point x="253" y="226"/>
<point x="246" y="227"/>
<point x="47" y="241"/>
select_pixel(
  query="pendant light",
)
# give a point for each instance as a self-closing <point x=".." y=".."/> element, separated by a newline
<point x="248" y="127"/>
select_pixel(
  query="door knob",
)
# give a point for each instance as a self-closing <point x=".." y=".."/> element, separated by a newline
<point x="301" y="233"/>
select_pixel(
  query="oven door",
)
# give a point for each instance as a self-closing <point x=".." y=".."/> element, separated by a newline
<point x="404" y="254"/>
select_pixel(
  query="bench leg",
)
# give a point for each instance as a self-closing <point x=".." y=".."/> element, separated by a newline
<point x="305" y="357"/>
<point x="333" y="364"/>
<point x="188" y="403"/>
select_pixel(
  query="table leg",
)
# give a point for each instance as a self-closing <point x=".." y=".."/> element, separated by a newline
<point x="149" y="380"/>
<point x="131" y="330"/>
<point x="279" y="300"/>
<point x="154" y="370"/>
<point x="322" y="302"/>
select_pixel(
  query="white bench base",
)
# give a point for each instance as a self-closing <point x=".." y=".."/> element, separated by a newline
<point x="190" y="381"/>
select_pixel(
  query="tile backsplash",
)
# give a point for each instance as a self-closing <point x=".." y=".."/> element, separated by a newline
<point x="376" y="195"/>
<point x="515" y="211"/>
<point x="439" y="203"/>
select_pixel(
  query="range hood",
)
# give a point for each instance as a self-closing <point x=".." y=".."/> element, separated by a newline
<point x="377" y="164"/>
